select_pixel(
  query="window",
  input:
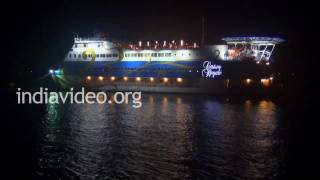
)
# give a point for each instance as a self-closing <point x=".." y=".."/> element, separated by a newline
<point x="147" y="54"/>
<point x="97" y="55"/>
<point x="79" y="56"/>
<point x="84" y="45"/>
<point x="154" y="54"/>
<point x="70" y="55"/>
<point x="76" y="45"/>
<point x="75" y="56"/>
<point x="115" y="55"/>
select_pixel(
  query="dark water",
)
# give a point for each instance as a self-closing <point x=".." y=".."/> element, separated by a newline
<point x="169" y="137"/>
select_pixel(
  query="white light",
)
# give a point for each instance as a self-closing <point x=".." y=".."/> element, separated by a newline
<point x="51" y="71"/>
<point x="100" y="78"/>
<point x="140" y="43"/>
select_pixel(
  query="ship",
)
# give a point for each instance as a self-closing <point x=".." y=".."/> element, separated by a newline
<point x="240" y="63"/>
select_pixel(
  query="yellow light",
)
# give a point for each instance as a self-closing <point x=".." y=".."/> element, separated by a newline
<point x="138" y="78"/>
<point x="151" y="79"/>
<point x="100" y="78"/>
<point x="179" y="80"/>
<point x="125" y="78"/>
<point x="248" y="81"/>
<point x="165" y="79"/>
<point x="265" y="82"/>
<point x="88" y="78"/>
<point x="112" y="78"/>
<point x="271" y="78"/>
<point x="267" y="63"/>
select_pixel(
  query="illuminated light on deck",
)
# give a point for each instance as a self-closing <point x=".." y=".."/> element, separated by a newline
<point x="51" y="71"/>
<point x="140" y="43"/>
<point x="179" y="80"/>
<point x="271" y="78"/>
<point x="165" y="79"/>
<point x="151" y="79"/>
<point x="125" y="78"/>
<point x="100" y="78"/>
<point x="181" y="43"/>
<point x="248" y="81"/>
<point x="112" y="78"/>
<point x="267" y="63"/>
<point x="265" y="82"/>
<point x="138" y="79"/>
<point x="88" y="78"/>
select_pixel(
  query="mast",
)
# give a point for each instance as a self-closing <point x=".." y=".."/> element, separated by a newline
<point x="203" y="31"/>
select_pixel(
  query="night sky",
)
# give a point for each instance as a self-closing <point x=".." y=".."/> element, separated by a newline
<point x="40" y="33"/>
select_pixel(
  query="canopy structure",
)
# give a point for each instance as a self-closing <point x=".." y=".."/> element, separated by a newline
<point x="260" y="48"/>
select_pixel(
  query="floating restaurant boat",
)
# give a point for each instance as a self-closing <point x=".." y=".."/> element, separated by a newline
<point x="170" y="66"/>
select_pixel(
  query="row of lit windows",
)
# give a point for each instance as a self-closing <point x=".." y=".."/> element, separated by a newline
<point x="97" y="55"/>
<point x="147" y="55"/>
<point x="85" y="45"/>
<point x="107" y="55"/>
